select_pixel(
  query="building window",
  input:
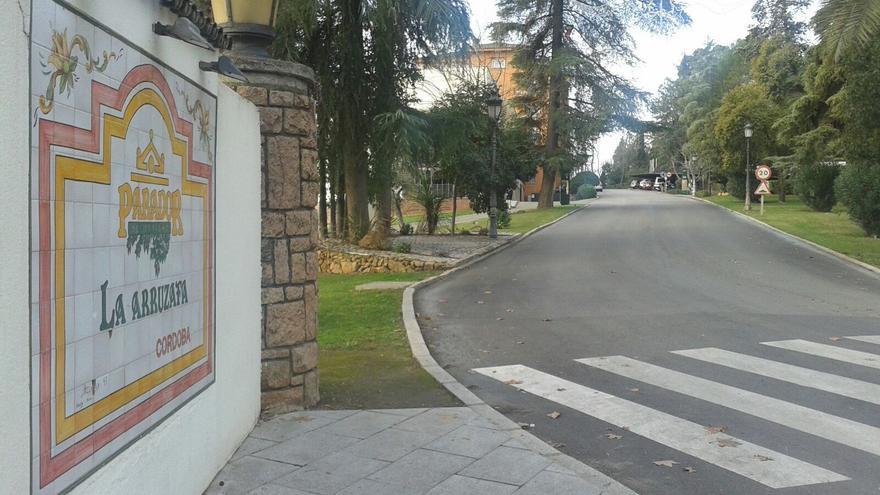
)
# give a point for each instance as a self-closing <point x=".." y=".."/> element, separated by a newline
<point x="498" y="63"/>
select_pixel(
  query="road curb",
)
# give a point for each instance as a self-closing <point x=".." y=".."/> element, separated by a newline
<point x="836" y="254"/>
<point x="420" y="351"/>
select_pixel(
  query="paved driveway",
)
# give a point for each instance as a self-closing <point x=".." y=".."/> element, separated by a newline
<point x="687" y="351"/>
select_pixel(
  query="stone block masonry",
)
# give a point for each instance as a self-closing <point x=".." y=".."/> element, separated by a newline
<point x="282" y="91"/>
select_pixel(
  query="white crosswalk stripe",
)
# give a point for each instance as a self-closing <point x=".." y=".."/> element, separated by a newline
<point x="828" y="351"/>
<point x="871" y="339"/>
<point x="820" y="424"/>
<point x="847" y="387"/>
<point x="764" y="466"/>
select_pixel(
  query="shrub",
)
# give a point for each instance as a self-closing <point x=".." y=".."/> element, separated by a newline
<point x="406" y="229"/>
<point x="736" y="186"/>
<point x="815" y="185"/>
<point x="401" y="247"/>
<point x="858" y="187"/>
<point x="503" y="219"/>
<point x="586" y="191"/>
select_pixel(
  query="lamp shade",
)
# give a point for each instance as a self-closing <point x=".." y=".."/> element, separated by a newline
<point x="245" y="11"/>
<point x="493" y="107"/>
<point x="247" y="23"/>
<point x="748" y="131"/>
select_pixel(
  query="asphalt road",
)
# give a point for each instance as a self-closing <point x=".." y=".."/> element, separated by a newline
<point x="638" y="275"/>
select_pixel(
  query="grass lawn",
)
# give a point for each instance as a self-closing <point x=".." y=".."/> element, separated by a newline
<point x="415" y="219"/>
<point x="833" y="230"/>
<point x="524" y="221"/>
<point x="365" y="359"/>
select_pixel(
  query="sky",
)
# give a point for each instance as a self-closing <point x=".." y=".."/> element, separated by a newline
<point x="721" y="21"/>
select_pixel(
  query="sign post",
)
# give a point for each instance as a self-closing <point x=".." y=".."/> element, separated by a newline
<point x="763" y="174"/>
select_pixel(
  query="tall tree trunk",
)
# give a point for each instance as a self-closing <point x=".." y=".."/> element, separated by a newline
<point x="454" y="207"/>
<point x="341" y="218"/>
<point x="548" y="188"/>
<point x="387" y="42"/>
<point x="322" y="199"/>
<point x="557" y="86"/>
<point x="399" y="208"/>
<point x="351" y="120"/>
<point x="781" y="185"/>
<point x="380" y="231"/>
<point x="333" y="226"/>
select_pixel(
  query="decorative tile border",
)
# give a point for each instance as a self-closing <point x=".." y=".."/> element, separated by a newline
<point x="122" y="244"/>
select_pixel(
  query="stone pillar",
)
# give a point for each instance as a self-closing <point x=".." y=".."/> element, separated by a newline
<point x="283" y="92"/>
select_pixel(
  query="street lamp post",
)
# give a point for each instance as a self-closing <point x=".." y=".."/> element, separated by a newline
<point x="493" y="109"/>
<point x="694" y="175"/>
<point x="748" y="131"/>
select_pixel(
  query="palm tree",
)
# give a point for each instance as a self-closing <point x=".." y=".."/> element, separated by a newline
<point x="845" y="25"/>
<point x="402" y="33"/>
<point x="366" y="55"/>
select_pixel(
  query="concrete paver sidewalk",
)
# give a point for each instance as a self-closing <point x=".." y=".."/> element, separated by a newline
<point x="441" y="451"/>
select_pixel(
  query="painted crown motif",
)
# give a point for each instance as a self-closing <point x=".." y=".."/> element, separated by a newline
<point x="149" y="159"/>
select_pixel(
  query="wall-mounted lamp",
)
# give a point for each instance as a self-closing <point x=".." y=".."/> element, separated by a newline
<point x="184" y="30"/>
<point x="207" y="29"/>
<point x="225" y="67"/>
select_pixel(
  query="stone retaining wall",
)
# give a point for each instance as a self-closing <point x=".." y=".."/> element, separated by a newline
<point x="351" y="261"/>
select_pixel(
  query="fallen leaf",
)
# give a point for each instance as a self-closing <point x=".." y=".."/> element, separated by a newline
<point x="728" y="442"/>
<point x="520" y="342"/>
<point x="513" y="382"/>
<point x="560" y="390"/>
<point x="304" y="419"/>
<point x="548" y="319"/>
<point x="480" y="302"/>
<point x="666" y="463"/>
<point x="612" y="436"/>
<point x="487" y="292"/>
<point x="716" y="429"/>
<point x="689" y="470"/>
<point x="835" y="338"/>
<point x="443" y="301"/>
<point x="526" y="426"/>
<point x="426" y="317"/>
<point x="509" y="310"/>
<point x="762" y="458"/>
<point x="554" y="415"/>
<point x="499" y="318"/>
<point x="557" y="445"/>
<point x="634" y="390"/>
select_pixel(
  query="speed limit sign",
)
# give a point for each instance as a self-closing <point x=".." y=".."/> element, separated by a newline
<point x="763" y="172"/>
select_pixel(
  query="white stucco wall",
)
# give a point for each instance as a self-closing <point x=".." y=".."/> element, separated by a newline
<point x="14" y="249"/>
<point x="183" y="453"/>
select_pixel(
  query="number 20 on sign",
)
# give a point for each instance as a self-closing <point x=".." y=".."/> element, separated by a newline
<point x="763" y="174"/>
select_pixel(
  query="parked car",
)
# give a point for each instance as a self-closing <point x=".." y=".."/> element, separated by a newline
<point x="599" y="187"/>
<point x="658" y="184"/>
<point x="645" y="184"/>
<point x="634" y="184"/>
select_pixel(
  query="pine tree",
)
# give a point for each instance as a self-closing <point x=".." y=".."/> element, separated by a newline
<point x="566" y="48"/>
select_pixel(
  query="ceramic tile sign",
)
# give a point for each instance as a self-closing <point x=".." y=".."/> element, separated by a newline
<point x="122" y="244"/>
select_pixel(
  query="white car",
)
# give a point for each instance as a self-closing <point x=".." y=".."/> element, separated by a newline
<point x="599" y="187"/>
<point x="658" y="184"/>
